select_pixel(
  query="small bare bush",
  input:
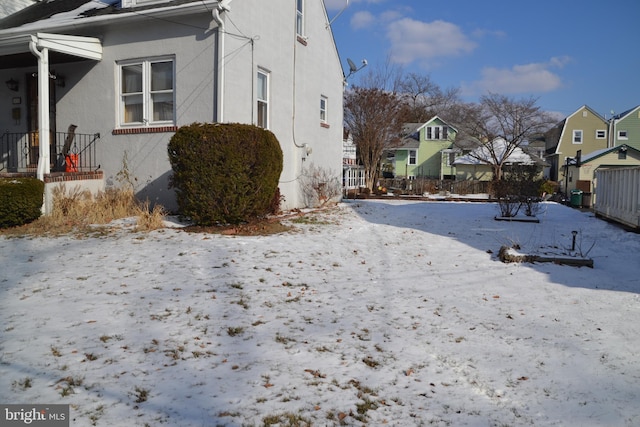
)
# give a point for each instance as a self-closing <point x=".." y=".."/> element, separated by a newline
<point x="319" y="186"/>
<point x="150" y="218"/>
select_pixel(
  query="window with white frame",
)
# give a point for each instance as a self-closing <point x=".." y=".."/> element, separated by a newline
<point x="437" y="132"/>
<point x="147" y="92"/>
<point x="413" y="157"/>
<point x="622" y="134"/>
<point x="577" y="136"/>
<point x="451" y="158"/>
<point x="601" y="134"/>
<point x="323" y="109"/>
<point x="262" y="97"/>
<point x="300" y="17"/>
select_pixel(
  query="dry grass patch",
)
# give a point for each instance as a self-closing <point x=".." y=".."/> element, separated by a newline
<point x="77" y="210"/>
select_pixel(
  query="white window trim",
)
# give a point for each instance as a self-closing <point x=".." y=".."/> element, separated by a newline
<point x="575" y="133"/>
<point x="267" y="74"/>
<point x="621" y="136"/>
<point x="147" y="113"/>
<point x="409" y="157"/>
<point x="604" y="134"/>
<point x="441" y="132"/>
<point x="324" y="109"/>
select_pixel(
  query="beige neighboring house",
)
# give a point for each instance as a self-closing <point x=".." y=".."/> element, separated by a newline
<point x="583" y="177"/>
<point x="584" y="130"/>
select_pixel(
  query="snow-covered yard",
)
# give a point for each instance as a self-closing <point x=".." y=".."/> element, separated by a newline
<point x="373" y="313"/>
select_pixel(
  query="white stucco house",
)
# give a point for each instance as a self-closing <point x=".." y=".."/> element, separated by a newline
<point x="128" y="73"/>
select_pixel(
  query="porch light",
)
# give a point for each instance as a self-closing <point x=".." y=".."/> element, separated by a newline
<point x="13" y="85"/>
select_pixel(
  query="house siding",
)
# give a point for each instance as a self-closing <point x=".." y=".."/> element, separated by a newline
<point x="587" y="171"/>
<point x="630" y="123"/>
<point x="301" y="72"/>
<point x="429" y="157"/>
<point x="589" y="122"/>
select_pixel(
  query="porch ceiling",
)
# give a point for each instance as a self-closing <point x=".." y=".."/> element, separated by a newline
<point x="15" y="50"/>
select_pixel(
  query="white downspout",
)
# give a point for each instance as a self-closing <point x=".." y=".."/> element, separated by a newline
<point x="223" y="6"/>
<point x="43" y="108"/>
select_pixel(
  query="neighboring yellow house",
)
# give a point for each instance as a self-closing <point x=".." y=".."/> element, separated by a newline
<point x="583" y="177"/>
<point x="584" y="130"/>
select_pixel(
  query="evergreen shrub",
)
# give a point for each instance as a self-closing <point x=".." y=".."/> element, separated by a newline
<point x="225" y="173"/>
<point x="21" y="201"/>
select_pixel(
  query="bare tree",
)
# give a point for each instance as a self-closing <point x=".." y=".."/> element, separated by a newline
<point x="426" y="99"/>
<point x="374" y="117"/>
<point x="499" y="116"/>
<point x="385" y="76"/>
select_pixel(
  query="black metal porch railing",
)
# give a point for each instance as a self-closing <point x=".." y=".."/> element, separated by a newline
<point x="19" y="152"/>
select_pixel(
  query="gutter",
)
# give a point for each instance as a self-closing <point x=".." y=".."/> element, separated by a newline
<point x="79" y="23"/>
<point x="222" y="6"/>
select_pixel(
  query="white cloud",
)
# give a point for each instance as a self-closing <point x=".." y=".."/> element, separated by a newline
<point x="413" y="40"/>
<point x="362" y="20"/>
<point x="527" y="78"/>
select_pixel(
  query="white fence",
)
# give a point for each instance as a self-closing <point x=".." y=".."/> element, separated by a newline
<point x="352" y="177"/>
<point x="618" y="195"/>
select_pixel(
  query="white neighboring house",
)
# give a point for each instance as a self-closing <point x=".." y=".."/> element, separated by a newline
<point x="477" y="165"/>
<point x="129" y="73"/>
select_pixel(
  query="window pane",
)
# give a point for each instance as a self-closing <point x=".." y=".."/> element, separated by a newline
<point x="162" y="106"/>
<point x="162" y="76"/>
<point x="133" y="109"/>
<point x="262" y="114"/>
<point x="299" y="17"/>
<point x="132" y="78"/>
<point x="262" y="86"/>
<point x="263" y="100"/>
<point x="323" y="109"/>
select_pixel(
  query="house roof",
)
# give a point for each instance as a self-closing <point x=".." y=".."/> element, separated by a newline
<point x="70" y="17"/>
<point x="624" y="114"/>
<point x="599" y="153"/>
<point x="411" y="135"/>
<point x="10" y="7"/>
<point x="482" y="156"/>
<point x="46" y="15"/>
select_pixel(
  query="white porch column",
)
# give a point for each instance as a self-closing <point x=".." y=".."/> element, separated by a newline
<point x="44" y="127"/>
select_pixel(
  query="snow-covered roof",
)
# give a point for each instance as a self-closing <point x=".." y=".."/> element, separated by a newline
<point x="10" y="7"/>
<point x="51" y="15"/>
<point x="595" y="154"/>
<point x="482" y="155"/>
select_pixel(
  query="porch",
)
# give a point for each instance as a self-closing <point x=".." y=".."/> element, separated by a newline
<point x="70" y="152"/>
<point x="74" y="161"/>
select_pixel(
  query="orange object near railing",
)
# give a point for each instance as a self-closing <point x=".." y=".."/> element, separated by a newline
<point x="71" y="162"/>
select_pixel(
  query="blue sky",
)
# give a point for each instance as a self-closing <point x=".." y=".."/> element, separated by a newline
<point x="566" y="53"/>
